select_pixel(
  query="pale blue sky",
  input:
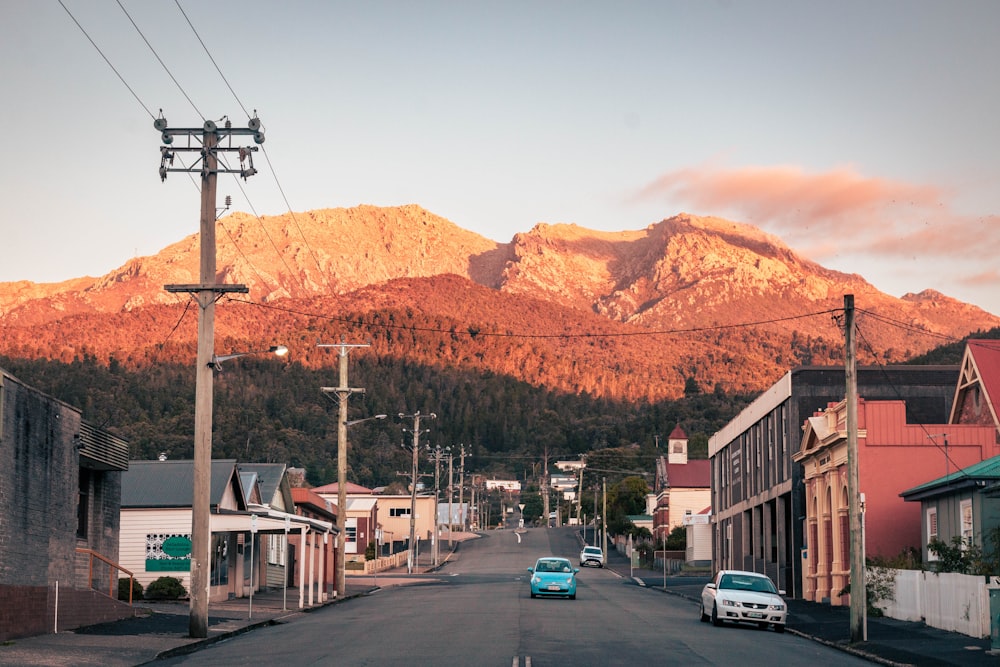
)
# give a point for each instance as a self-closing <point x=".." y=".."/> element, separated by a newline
<point x="864" y="134"/>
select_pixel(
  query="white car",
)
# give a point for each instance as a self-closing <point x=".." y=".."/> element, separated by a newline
<point x="743" y="597"/>
<point x="592" y="556"/>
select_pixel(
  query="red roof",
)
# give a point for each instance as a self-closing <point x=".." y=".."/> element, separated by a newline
<point x="356" y="489"/>
<point x="678" y="433"/>
<point x="317" y="503"/>
<point x="986" y="354"/>
<point x="695" y="474"/>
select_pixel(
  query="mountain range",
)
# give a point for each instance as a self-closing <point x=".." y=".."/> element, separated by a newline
<point x="634" y="315"/>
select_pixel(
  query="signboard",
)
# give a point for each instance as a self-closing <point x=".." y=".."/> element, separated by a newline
<point x="168" y="553"/>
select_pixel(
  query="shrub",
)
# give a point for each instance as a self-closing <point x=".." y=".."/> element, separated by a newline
<point x="166" y="588"/>
<point x="123" y="589"/>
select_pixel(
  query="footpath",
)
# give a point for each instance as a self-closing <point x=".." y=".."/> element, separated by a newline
<point x="161" y="631"/>
<point x="889" y="642"/>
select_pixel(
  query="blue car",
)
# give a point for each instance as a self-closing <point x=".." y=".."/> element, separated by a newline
<point x="553" y="576"/>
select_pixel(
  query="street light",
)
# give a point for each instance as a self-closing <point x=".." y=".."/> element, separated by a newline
<point x="201" y="530"/>
<point x="416" y="416"/>
<point x="216" y="363"/>
<point x="340" y="565"/>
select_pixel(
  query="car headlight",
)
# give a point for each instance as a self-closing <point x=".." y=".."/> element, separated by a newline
<point x="535" y="580"/>
<point x="728" y="603"/>
<point x="777" y="607"/>
<point x="569" y="580"/>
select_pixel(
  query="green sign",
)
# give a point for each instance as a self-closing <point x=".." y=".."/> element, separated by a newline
<point x="168" y="565"/>
<point x="177" y="546"/>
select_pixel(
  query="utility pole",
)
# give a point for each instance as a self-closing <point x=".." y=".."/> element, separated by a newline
<point x="858" y="585"/>
<point x="342" y="392"/>
<point x="205" y="141"/>
<point x="436" y="454"/>
<point x="461" y="485"/>
<point x="604" y="521"/>
<point x="545" y="486"/>
<point x="416" y="416"/>
<point x="451" y="523"/>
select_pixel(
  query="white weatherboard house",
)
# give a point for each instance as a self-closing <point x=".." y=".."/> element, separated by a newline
<point x="155" y="538"/>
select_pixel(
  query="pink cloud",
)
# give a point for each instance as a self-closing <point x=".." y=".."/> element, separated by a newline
<point x="832" y="213"/>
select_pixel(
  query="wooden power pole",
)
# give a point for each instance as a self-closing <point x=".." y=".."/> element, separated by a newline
<point x="859" y="592"/>
<point x="206" y="142"/>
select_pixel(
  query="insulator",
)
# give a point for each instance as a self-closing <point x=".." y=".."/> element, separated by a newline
<point x="258" y="137"/>
<point x="229" y="201"/>
<point x="167" y="138"/>
<point x="210" y="126"/>
<point x="163" y="173"/>
<point x="254" y="124"/>
<point x="160" y="124"/>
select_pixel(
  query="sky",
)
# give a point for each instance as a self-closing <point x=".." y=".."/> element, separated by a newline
<point x="863" y="134"/>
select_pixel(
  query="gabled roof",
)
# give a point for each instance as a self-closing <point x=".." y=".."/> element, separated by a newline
<point x="170" y="484"/>
<point x="979" y="474"/>
<point x="351" y="488"/>
<point x="695" y="474"/>
<point x="270" y="476"/>
<point x="980" y="366"/>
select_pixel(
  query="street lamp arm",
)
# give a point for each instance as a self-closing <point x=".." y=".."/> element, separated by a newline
<point x="217" y="359"/>
<point x="366" y="419"/>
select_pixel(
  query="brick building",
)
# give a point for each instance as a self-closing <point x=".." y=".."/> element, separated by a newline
<point x="60" y="489"/>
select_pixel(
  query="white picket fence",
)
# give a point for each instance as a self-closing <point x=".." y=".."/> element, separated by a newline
<point x="949" y="601"/>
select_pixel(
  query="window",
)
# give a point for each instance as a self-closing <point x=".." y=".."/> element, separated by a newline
<point x="399" y="511"/>
<point x="932" y="530"/>
<point x="966" y="515"/>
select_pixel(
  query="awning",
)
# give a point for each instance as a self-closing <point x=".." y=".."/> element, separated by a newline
<point x="267" y="521"/>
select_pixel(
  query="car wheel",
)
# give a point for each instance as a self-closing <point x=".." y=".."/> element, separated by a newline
<point x="573" y="596"/>
<point x="533" y="596"/>
<point x="704" y="616"/>
<point x="779" y="627"/>
<point x="762" y="626"/>
<point x="716" y="621"/>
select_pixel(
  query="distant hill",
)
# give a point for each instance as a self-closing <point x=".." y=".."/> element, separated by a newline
<point x="631" y="315"/>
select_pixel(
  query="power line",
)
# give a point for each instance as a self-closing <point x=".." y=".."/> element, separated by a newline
<point x="274" y="173"/>
<point x="120" y="77"/>
<point x="160" y="60"/>
<point x="472" y="332"/>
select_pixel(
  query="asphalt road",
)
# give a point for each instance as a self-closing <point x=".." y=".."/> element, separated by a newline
<point x="477" y="611"/>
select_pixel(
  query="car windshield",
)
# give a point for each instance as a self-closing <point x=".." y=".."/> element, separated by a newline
<point x="741" y="582"/>
<point x="552" y="566"/>
<point x="592" y="550"/>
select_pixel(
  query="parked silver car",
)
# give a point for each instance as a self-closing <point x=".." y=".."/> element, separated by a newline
<point x="743" y="597"/>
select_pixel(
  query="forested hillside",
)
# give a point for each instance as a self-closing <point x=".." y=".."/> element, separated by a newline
<point x="267" y="410"/>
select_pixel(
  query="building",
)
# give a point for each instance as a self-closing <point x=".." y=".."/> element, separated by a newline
<point x="963" y="503"/>
<point x="313" y="550"/>
<point x="60" y="489"/>
<point x="893" y="455"/>
<point x="682" y="486"/>
<point x="758" y="490"/>
<point x="156" y="519"/>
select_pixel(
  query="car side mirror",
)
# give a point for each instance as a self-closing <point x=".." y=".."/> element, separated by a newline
<point x="531" y="569"/>
<point x="575" y="570"/>
<point x="781" y="592"/>
<point x="712" y="586"/>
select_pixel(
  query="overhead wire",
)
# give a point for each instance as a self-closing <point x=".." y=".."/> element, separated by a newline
<point x="899" y="396"/>
<point x="267" y="157"/>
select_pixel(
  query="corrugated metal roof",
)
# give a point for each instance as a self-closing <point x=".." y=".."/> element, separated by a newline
<point x="695" y="474"/>
<point x="171" y="483"/>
